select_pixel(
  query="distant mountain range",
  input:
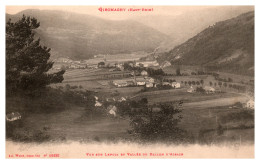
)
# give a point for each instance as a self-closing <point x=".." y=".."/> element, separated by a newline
<point x="79" y="36"/>
<point x="225" y="46"/>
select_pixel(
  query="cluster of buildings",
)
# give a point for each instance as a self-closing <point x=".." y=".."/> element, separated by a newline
<point x="143" y="80"/>
<point x="111" y="109"/>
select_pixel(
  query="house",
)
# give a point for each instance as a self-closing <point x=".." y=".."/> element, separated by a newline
<point x="209" y="89"/>
<point x="191" y="90"/>
<point x="149" y="85"/>
<point x="140" y="81"/>
<point x="96" y="97"/>
<point x="98" y="103"/>
<point x="112" y="110"/>
<point x="120" y="66"/>
<point x="176" y="85"/>
<point x="144" y="73"/>
<point x="13" y="116"/>
<point x="250" y="104"/>
<point x="122" y="99"/>
<point x="122" y="84"/>
<point x="151" y="80"/>
<point x="165" y="64"/>
<point x="166" y="83"/>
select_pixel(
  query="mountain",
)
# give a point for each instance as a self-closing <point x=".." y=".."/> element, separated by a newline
<point x="80" y="36"/>
<point x="225" y="46"/>
<point x="185" y="25"/>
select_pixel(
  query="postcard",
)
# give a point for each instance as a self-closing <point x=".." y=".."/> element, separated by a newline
<point x="130" y="82"/>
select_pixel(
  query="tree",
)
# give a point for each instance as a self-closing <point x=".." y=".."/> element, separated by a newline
<point x="202" y="82"/>
<point x="225" y="85"/>
<point x="159" y="126"/>
<point x="101" y="64"/>
<point x="189" y="82"/>
<point x="220" y="84"/>
<point x="210" y="83"/>
<point x="27" y="61"/>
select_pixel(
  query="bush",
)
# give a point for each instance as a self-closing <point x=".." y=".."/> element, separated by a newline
<point x="159" y="126"/>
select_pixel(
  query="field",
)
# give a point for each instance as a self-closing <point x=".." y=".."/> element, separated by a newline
<point x="202" y="113"/>
<point x="75" y="125"/>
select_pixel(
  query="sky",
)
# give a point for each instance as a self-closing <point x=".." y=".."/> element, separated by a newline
<point x="115" y="15"/>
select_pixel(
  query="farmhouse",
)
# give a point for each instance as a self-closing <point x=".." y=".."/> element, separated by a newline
<point x="98" y="103"/>
<point x="176" y="85"/>
<point x="250" y="104"/>
<point x="209" y="89"/>
<point x="140" y="82"/>
<point x="149" y="85"/>
<point x="151" y="80"/>
<point x="13" y="116"/>
<point x="144" y="73"/>
<point x="123" y="83"/>
<point x="165" y="64"/>
<point x="166" y="83"/>
<point x="122" y="99"/>
<point x="191" y="90"/>
<point x="112" y="110"/>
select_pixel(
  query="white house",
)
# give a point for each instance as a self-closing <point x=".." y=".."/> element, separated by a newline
<point x="250" y="104"/>
<point x="98" y="103"/>
<point x="122" y="99"/>
<point x="165" y="64"/>
<point x="166" y="83"/>
<point x="149" y="85"/>
<point x="191" y="90"/>
<point x="112" y="110"/>
<point x="209" y="89"/>
<point x="140" y="82"/>
<point x="13" y="116"/>
<point x="151" y="80"/>
<point x="176" y="85"/>
<point x="144" y="73"/>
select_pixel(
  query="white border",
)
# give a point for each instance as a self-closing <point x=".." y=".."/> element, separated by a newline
<point x="3" y="3"/>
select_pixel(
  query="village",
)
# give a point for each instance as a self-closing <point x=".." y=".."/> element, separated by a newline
<point x="131" y="78"/>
